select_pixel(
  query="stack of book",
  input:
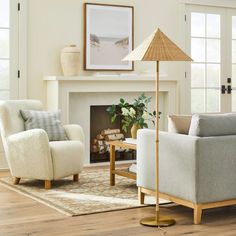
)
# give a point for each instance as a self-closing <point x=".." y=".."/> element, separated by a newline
<point x="133" y="168"/>
<point x="130" y="141"/>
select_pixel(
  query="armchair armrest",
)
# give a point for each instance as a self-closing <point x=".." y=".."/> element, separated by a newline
<point x="74" y="132"/>
<point x="31" y="150"/>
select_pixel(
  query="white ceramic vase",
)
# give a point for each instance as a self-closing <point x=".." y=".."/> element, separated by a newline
<point x="70" y="58"/>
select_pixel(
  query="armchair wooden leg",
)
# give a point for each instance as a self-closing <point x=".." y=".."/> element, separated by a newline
<point x="16" y="180"/>
<point x="141" y="196"/>
<point x="197" y="214"/>
<point x="76" y="178"/>
<point x="47" y="184"/>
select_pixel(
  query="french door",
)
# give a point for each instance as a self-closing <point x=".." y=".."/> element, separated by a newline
<point x="211" y="38"/>
<point x="9" y="51"/>
<point x="10" y="46"/>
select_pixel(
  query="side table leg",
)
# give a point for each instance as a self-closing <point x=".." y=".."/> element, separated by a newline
<point x="141" y="196"/>
<point x="112" y="165"/>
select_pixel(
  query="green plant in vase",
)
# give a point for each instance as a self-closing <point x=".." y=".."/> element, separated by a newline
<point x="135" y="114"/>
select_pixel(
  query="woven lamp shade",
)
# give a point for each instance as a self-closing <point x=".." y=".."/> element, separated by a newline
<point x="157" y="47"/>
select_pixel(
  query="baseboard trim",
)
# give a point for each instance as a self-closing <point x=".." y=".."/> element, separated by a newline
<point x="4" y="169"/>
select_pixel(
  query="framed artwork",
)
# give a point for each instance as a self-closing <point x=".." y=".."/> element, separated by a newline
<point x="108" y="35"/>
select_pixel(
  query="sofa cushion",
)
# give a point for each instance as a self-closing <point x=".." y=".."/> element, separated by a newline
<point x="49" y="121"/>
<point x="213" y="125"/>
<point x="179" y="123"/>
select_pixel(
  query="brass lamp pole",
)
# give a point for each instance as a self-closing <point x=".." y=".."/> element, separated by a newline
<point x="157" y="47"/>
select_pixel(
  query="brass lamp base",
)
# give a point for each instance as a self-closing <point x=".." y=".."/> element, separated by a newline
<point x="160" y="222"/>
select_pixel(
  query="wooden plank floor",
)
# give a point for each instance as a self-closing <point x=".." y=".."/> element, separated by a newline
<point x="20" y="215"/>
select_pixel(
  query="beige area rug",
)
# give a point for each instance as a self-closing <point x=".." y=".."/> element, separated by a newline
<point x="92" y="194"/>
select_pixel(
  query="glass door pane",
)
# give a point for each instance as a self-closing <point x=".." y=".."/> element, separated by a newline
<point x="4" y="13"/>
<point x="206" y="65"/>
<point x="4" y="50"/>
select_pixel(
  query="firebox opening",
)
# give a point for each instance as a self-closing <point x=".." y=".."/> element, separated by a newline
<point x="101" y="132"/>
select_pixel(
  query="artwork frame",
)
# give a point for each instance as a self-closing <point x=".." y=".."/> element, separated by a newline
<point x="105" y="45"/>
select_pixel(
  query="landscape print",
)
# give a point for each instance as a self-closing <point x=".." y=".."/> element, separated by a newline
<point x="109" y="37"/>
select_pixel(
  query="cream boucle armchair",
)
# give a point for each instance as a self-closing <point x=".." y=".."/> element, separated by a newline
<point x="29" y="154"/>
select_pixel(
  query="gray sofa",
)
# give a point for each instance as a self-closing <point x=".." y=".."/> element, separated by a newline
<point x="196" y="170"/>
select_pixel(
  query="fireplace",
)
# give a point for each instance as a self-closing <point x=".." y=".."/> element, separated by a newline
<point x="75" y="95"/>
<point x="102" y="130"/>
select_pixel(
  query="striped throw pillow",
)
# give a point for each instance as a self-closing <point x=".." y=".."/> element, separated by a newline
<point x="49" y="121"/>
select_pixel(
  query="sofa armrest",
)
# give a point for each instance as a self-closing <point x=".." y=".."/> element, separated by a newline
<point x="74" y="132"/>
<point x="216" y="161"/>
<point x="177" y="163"/>
<point x="29" y="156"/>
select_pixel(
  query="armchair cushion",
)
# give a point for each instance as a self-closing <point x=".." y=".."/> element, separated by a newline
<point x="48" y="121"/>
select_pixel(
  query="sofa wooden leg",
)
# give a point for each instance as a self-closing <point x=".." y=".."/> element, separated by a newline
<point x="16" y="180"/>
<point x="47" y="184"/>
<point x="76" y="178"/>
<point x="141" y="196"/>
<point x="197" y="214"/>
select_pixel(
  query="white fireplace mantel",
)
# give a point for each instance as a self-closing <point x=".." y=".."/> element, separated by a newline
<point x="60" y="87"/>
<point x="74" y="95"/>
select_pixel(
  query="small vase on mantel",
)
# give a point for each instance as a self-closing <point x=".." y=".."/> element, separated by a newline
<point x="70" y="56"/>
<point x="134" y="129"/>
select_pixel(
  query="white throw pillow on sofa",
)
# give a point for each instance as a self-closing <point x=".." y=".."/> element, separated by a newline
<point x="179" y="123"/>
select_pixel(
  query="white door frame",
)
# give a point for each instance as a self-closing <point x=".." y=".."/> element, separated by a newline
<point x="23" y="44"/>
<point x="18" y="49"/>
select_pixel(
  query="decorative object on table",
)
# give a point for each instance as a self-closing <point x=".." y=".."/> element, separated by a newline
<point x="92" y="194"/>
<point x="135" y="114"/>
<point x="70" y="58"/>
<point x="108" y="34"/>
<point x="157" y="47"/>
<point x="134" y="129"/>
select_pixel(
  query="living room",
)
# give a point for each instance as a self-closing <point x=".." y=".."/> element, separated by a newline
<point x="117" y="117"/>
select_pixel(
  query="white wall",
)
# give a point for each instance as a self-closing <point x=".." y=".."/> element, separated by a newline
<point x="52" y="24"/>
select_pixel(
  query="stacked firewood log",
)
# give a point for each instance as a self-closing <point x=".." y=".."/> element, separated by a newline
<point x="100" y="143"/>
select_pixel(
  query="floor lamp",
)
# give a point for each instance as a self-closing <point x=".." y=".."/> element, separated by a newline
<point x="157" y="47"/>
